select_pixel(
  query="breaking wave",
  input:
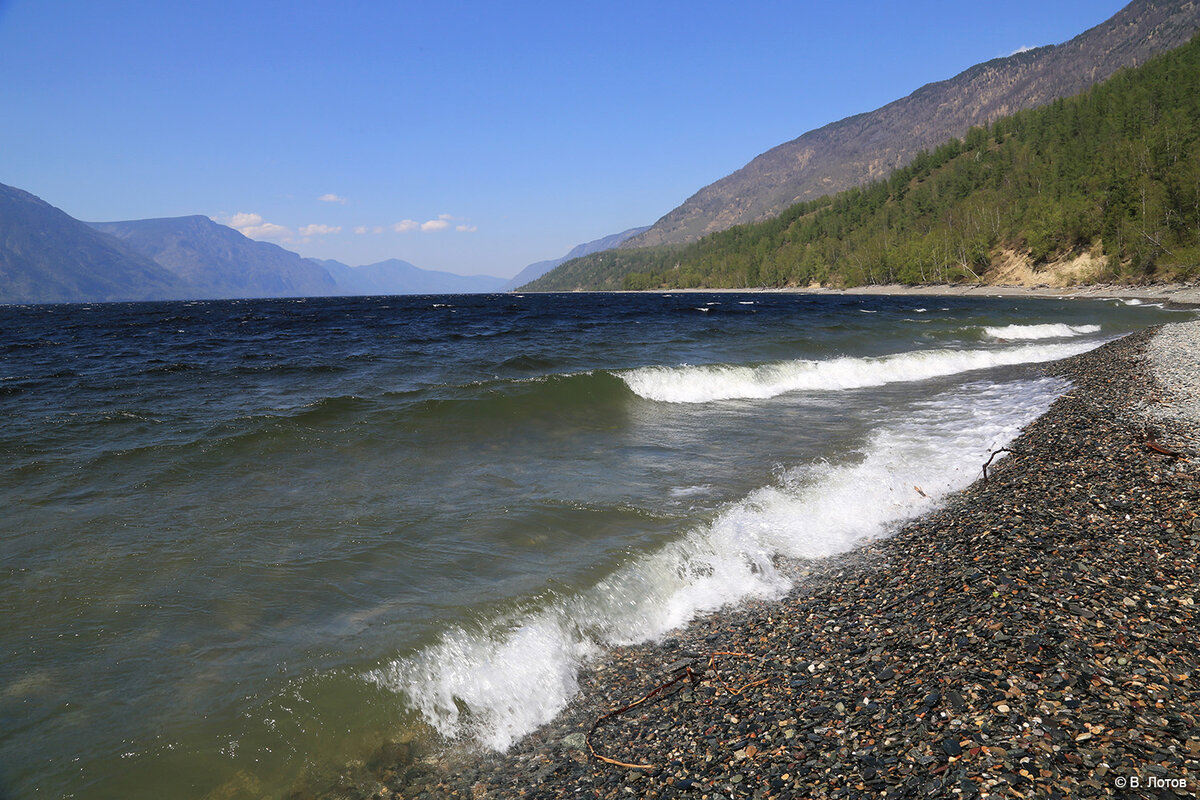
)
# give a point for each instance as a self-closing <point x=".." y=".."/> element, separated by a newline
<point x="1045" y="331"/>
<point x="704" y="384"/>
<point x="500" y="680"/>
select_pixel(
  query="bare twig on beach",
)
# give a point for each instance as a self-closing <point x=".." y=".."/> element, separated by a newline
<point x="1166" y="451"/>
<point x="685" y="672"/>
<point x="712" y="665"/>
<point x="992" y="456"/>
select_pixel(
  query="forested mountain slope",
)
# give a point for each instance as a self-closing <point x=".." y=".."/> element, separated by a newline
<point x="1113" y="173"/>
<point x="866" y="147"/>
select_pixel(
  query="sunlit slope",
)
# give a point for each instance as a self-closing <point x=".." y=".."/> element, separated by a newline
<point x="1112" y="175"/>
<point x="865" y="147"/>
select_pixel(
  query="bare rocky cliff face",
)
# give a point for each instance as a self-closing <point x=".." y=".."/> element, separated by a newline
<point x="865" y="147"/>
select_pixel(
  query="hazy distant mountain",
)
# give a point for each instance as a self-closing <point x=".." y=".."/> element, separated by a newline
<point x="540" y="268"/>
<point x="218" y="261"/>
<point x="47" y="256"/>
<point x="868" y="146"/>
<point x="400" y="277"/>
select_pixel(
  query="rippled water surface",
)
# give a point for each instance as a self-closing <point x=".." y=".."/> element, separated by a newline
<point x="245" y="542"/>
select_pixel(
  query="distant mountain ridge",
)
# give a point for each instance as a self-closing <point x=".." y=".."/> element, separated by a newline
<point x="227" y="264"/>
<point x="869" y="146"/>
<point x="394" y="276"/>
<point x="219" y="261"/>
<point x="47" y="256"/>
<point x="540" y="268"/>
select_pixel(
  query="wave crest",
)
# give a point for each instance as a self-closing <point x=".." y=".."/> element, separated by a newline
<point x="1053" y="330"/>
<point x="705" y="384"/>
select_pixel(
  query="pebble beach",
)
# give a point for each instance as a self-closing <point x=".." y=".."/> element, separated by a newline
<point x="1035" y="637"/>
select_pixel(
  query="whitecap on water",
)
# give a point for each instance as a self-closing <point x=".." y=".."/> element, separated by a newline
<point x="690" y="491"/>
<point x="704" y="384"/>
<point x="1053" y="330"/>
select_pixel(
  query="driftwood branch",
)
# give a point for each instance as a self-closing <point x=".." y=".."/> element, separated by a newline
<point x="685" y="672"/>
<point x="1166" y="451"/>
<point x="993" y="456"/>
<point x="712" y="665"/>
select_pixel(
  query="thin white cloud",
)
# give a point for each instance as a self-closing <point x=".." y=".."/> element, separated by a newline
<point x="1022" y="49"/>
<point x="332" y="198"/>
<point x="254" y="226"/>
<point x="441" y="223"/>
<point x="360" y="230"/>
<point x="320" y="230"/>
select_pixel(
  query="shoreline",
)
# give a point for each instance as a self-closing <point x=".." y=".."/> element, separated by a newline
<point x="1178" y="295"/>
<point x="1035" y="635"/>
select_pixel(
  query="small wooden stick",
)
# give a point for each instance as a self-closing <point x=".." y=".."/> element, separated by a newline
<point x="1158" y="448"/>
<point x="993" y="455"/>
<point x="686" y="674"/>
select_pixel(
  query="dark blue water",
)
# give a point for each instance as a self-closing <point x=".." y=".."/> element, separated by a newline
<point x="244" y="543"/>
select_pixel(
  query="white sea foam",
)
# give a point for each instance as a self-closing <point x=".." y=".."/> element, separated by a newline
<point x="499" y="682"/>
<point x="704" y="384"/>
<point x="1054" y="330"/>
<point x="496" y="687"/>
<point x="690" y="491"/>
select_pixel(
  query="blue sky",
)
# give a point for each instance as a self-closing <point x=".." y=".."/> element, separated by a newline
<point x="474" y="137"/>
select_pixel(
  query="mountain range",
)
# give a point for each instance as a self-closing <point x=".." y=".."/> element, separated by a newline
<point x="866" y="147"/>
<point x="47" y="256"/>
<point x="400" y="277"/>
<point x="540" y="268"/>
<point x="1101" y="187"/>
<point x="220" y="262"/>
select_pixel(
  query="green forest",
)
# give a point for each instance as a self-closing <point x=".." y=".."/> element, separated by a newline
<point x="1114" y="172"/>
